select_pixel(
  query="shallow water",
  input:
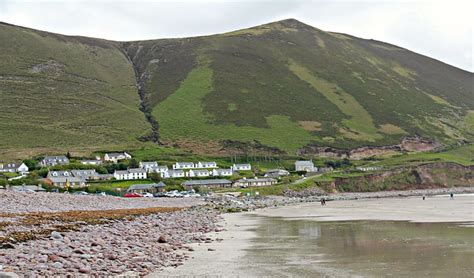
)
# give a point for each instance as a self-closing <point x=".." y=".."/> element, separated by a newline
<point x="310" y="248"/>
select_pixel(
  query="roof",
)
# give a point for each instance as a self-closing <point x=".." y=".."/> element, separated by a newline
<point x="116" y="154"/>
<point x="184" y="163"/>
<point x="257" y="180"/>
<point x="304" y="163"/>
<point x="57" y="157"/>
<point x="205" y="182"/>
<point x="207" y="162"/>
<point x="13" y="165"/>
<point x="59" y="174"/>
<point x="84" y="172"/>
<point x="64" y="179"/>
<point x="149" y="163"/>
<point x="223" y="170"/>
<point x="146" y="186"/>
<point x="121" y="172"/>
<point x="175" y="171"/>
<point x="136" y="170"/>
<point x="244" y="164"/>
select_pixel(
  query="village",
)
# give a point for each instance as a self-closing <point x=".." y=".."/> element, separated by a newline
<point x="191" y="177"/>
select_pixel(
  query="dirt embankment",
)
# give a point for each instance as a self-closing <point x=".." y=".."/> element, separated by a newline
<point x="412" y="143"/>
<point x="436" y="175"/>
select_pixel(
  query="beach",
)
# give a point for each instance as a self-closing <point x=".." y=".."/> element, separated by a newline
<point x="229" y="256"/>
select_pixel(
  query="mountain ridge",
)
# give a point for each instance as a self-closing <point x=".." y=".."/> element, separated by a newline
<point x="283" y="84"/>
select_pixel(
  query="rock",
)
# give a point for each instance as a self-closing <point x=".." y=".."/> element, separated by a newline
<point x="190" y="249"/>
<point x="211" y="249"/>
<point x="162" y="239"/>
<point x="8" y="275"/>
<point x="56" y="235"/>
<point x="85" y="270"/>
<point x="57" y="265"/>
<point x="85" y="256"/>
<point x="7" y="246"/>
<point x="53" y="258"/>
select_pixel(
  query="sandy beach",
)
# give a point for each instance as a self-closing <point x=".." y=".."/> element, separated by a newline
<point x="228" y="257"/>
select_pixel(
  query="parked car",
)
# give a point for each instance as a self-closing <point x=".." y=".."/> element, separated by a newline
<point x="173" y="194"/>
<point x="160" y="194"/>
<point x="101" y="194"/>
<point x="132" y="195"/>
<point x="80" y="193"/>
<point x="147" y="195"/>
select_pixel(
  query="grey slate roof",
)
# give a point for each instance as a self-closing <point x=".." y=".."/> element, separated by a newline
<point x="206" y="182"/>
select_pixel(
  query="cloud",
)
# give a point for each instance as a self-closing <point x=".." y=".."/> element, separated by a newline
<point x="439" y="29"/>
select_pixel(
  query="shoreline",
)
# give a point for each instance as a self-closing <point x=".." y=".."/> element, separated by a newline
<point x="238" y="233"/>
<point x="200" y="238"/>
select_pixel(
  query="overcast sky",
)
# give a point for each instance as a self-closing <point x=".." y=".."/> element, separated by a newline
<point x="439" y="29"/>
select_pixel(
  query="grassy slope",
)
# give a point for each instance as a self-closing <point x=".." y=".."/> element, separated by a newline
<point x="287" y="84"/>
<point x="65" y="92"/>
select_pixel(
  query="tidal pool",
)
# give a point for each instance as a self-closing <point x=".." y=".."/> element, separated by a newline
<point x="309" y="248"/>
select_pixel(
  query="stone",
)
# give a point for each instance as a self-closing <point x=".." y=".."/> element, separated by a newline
<point x="8" y="275"/>
<point x="85" y="256"/>
<point x="85" y="270"/>
<point x="162" y="239"/>
<point x="56" y="235"/>
<point x="57" y="265"/>
<point x="211" y="249"/>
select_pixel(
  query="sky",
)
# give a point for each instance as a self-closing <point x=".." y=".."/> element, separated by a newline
<point x="440" y="29"/>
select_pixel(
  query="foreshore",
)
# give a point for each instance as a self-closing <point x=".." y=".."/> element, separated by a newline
<point x="228" y="257"/>
<point x="49" y="234"/>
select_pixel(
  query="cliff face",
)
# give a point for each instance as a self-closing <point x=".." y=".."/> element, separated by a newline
<point x="424" y="176"/>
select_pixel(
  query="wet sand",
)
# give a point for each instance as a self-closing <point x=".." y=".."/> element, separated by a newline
<point x="229" y="257"/>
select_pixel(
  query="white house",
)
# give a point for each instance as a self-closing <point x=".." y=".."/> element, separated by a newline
<point x="54" y="160"/>
<point x="130" y="174"/>
<point x="273" y="173"/>
<point x="208" y="164"/>
<point x="173" y="174"/>
<point x="183" y="165"/>
<point x="198" y="173"/>
<point x="305" y="166"/>
<point x="14" y="168"/>
<point x="58" y="174"/>
<point x="91" y="162"/>
<point x="241" y="167"/>
<point x="115" y="157"/>
<point x="222" y="172"/>
<point x="149" y="166"/>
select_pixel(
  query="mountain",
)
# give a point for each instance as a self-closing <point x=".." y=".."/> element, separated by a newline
<point x="283" y="85"/>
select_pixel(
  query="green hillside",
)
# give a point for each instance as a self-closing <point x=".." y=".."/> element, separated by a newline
<point x="65" y="92"/>
<point x="287" y="84"/>
<point x="284" y="84"/>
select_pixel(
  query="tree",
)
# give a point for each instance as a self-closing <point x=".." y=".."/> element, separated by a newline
<point x="156" y="177"/>
<point x="68" y="155"/>
<point x="133" y="163"/>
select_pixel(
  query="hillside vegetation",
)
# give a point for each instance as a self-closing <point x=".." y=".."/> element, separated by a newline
<point x="284" y="85"/>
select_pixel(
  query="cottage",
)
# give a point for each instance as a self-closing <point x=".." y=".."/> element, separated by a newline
<point x="255" y="182"/>
<point x="305" y="166"/>
<point x="207" y="165"/>
<point x="173" y="174"/>
<point x="183" y="165"/>
<point x="115" y="157"/>
<point x="274" y="173"/>
<point x="54" y="160"/>
<point x="198" y="173"/>
<point x="147" y="188"/>
<point x="89" y="174"/>
<point x="14" y="168"/>
<point x="218" y="183"/>
<point x="241" y="167"/>
<point x="91" y="162"/>
<point x="130" y="174"/>
<point x="63" y="181"/>
<point x="222" y="172"/>
<point x="149" y="166"/>
<point x="59" y="174"/>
